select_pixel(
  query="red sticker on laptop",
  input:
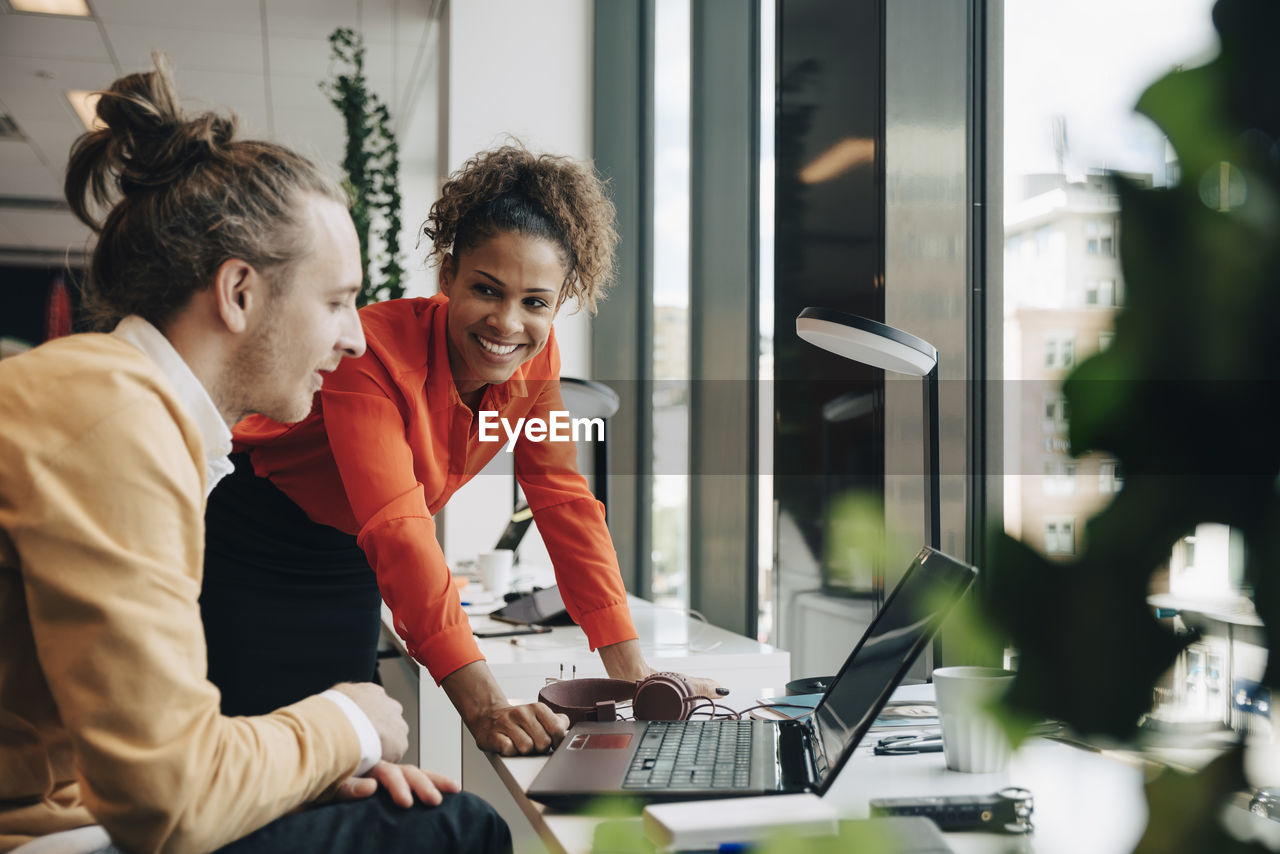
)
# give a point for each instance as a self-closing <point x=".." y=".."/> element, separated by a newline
<point x="602" y="741"/>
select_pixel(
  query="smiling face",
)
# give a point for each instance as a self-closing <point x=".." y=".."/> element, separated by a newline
<point x="503" y="295"/>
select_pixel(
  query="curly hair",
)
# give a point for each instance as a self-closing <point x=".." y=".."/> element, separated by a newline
<point x="181" y="195"/>
<point x="510" y="190"/>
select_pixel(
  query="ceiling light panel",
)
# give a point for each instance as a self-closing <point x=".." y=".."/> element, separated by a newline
<point x="78" y="8"/>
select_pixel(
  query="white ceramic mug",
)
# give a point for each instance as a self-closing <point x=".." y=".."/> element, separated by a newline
<point x="972" y="739"/>
<point x="495" y="570"/>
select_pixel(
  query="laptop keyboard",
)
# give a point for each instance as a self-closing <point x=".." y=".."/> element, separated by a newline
<point x="692" y="754"/>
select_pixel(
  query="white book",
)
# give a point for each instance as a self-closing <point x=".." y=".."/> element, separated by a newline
<point x="709" y="824"/>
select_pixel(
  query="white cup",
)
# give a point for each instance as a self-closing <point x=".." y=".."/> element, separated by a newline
<point x="972" y="739"/>
<point x="495" y="570"/>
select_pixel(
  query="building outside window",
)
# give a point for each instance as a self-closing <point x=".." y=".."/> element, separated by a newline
<point x="1069" y="126"/>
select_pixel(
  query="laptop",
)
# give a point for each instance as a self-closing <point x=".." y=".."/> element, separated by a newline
<point x="655" y="761"/>
<point x="519" y="523"/>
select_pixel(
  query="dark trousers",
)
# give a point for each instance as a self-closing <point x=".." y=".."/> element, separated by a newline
<point x="463" y="824"/>
<point x="290" y="607"/>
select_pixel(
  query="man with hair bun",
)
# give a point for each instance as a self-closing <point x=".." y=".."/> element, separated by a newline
<point x="324" y="520"/>
<point x="228" y="270"/>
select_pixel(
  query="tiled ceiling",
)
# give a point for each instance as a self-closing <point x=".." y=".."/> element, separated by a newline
<point x="262" y="59"/>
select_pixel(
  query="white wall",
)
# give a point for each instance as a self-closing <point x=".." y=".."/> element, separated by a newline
<point x="522" y="69"/>
<point x="418" y="134"/>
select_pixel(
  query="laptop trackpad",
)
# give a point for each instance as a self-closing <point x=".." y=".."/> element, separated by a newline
<point x="600" y="741"/>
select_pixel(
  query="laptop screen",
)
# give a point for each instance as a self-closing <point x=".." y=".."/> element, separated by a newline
<point x="906" y="623"/>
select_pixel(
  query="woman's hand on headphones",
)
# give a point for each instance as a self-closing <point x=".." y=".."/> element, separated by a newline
<point x="704" y="687"/>
<point x="625" y="661"/>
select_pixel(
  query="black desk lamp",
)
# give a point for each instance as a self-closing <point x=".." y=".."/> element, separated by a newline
<point x="882" y="346"/>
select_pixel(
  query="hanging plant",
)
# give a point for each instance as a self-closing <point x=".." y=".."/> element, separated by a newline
<point x="372" y="164"/>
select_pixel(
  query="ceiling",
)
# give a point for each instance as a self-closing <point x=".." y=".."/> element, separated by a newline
<point x="261" y="59"/>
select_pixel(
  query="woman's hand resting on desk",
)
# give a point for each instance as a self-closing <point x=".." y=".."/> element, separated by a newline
<point x="403" y="783"/>
<point x="498" y="726"/>
<point x="518" y="730"/>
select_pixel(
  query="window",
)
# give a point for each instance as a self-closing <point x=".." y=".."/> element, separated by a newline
<point x="1054" y="413"/>
<point x="1065" y="127"/>
<point x="1060" y="350"/>
<point x="1110" y="478"/>
<point x="1044" y="241"/>
<point x="1101" y="292"/>
<point x="1060" y="536"/>
<point x="684" y="537"/>
<point x="766" y="613"/>
<point x="1099" y="237"/>
<point x="1059" y="478"/>
<point x="670" y="345"/>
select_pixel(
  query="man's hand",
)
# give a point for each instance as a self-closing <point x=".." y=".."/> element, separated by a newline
<point x="497" y="725"/>
<point x="386" y="715"/>
<point x="515" y="730"/>
<point x="402" y="782"/>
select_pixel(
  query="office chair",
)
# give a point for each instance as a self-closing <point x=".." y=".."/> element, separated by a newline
<point x="588" y="399"/>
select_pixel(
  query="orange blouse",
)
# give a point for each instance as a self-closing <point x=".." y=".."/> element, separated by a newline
<point x="389" y="441"/>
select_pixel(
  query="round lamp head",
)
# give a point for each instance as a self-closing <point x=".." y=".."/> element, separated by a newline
<point x="867" y="341"/>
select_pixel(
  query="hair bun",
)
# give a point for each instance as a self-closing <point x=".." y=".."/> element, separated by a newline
<point x="149" y="141"/>
<point x="163" y="155"/>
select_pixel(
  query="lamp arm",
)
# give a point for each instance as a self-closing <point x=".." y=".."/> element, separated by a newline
<point x="933" y="509"/>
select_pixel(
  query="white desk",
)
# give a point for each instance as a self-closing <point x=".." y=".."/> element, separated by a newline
<point x="1084" y="801"/>
<point x="669" y="639"/>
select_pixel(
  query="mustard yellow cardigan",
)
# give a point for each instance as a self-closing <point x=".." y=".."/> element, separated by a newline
<point x="106" y="715"/>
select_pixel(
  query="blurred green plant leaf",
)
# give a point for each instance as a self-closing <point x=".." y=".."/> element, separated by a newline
<point x="863" y="837"/>
<point x="620" y="836"/>
<point x="1186" y="808"/>
<point x="1186" y="399"/>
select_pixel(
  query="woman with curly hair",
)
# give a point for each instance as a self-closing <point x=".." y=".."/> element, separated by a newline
<point x="312" y="507"/>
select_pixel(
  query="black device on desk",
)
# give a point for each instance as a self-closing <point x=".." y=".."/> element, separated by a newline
<point x="1008" y="810"/>
<point x="512" y="632"/>
<point x="542" y="607"/>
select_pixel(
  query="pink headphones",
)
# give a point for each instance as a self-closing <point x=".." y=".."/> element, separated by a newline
<point x="660" y="697"/>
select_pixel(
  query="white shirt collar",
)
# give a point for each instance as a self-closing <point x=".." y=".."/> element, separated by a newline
<point x="191" y="393"/>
